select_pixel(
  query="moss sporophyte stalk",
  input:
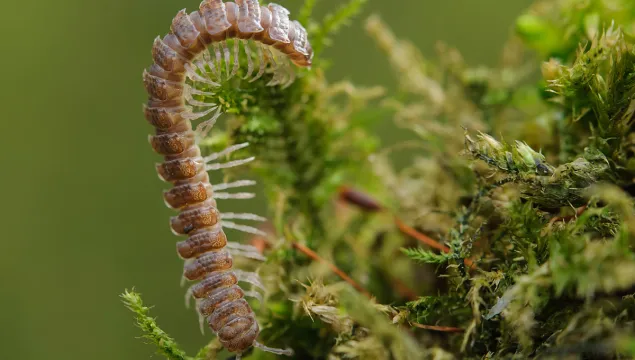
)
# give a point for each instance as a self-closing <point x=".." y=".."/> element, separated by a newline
<point x="508" y="234"/>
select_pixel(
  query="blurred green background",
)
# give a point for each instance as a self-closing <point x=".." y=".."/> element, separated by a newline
<point x="82" y="214"/>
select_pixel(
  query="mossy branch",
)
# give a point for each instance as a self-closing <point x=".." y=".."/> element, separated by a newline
<point x="151" y="331"/>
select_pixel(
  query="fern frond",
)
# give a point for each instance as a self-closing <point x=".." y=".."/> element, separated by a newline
<point x="426" y="256"/>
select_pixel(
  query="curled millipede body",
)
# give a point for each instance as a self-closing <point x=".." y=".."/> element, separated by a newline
<point x="188" y="65"/>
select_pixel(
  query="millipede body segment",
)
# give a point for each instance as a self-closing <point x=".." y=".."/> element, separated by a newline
<point x="186" y="60"/>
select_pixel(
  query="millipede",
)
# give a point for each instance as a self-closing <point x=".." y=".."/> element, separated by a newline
<point x="188" y="66"/>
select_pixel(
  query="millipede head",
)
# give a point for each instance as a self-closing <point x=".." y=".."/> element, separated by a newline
<point x="302" y="54"/>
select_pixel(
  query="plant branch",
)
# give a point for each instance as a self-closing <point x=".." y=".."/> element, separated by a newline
<point x="164" y="343"/>
<point x="438" y="328"/>
<point x="313" y="255"/>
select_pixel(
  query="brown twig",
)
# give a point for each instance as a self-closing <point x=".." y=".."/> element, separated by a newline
<point x="579" y="211"/>
<point x="367" y="203"/>
<point x="260" y="242"/>
<point x="359" y="199"/>
<point x="437" y="328"/>
<point x="313" y="255"/>
<point x="419" y="236"/>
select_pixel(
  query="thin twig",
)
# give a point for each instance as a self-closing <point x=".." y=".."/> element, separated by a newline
<point x="313" y="255"/>
<point x="367" y="203"/>
<point x="438" y="328"/>
<point x="261" y="243"/>
<point x="419" y="236"/>
<point x="579" y="211"/>
<point x="359" y="199"/>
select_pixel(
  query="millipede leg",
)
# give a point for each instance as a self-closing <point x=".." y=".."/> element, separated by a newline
<point x="219" y="60"/>
<point x="201" y="322"/>
<point x="188" y="91"/>
<point x="247" y="251"/>
<point x="287" y="351"/>
<point x="191" y="73"/>
<point x="229" y="164"/>
<point x="195" y="116"/>
<point x="254" y="255"/>
<point x="226" y="151"/>
<point x="243" y="216"/>
<point x="256" y="295"/>
<point x="236" y="196"/>
<point x="235" y="184"/>
<point x="201" y="65"/>
<point x="275" y="80"/>
<point x="251" y="278"/>
<point x="250" y="61"/>
<point x="283" y="71"/>
<point x="204" y="127"/>
<point x="207" y="57"/>
<point x="199" y="92"/>
<point x="262" y="64"/>
<point x="188" y="297"/>
<point x="236" y="60"/>
<point x="226" y="53"/>
<point x="291" y="73"/>
<point x="243" y="228"/>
